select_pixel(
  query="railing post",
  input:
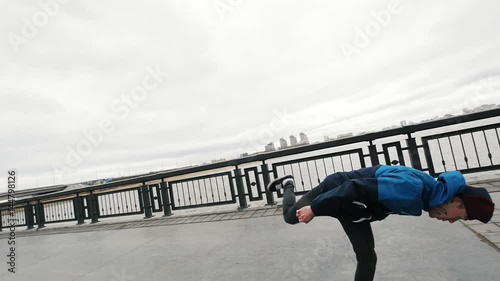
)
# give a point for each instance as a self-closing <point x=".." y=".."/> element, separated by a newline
<point x="79" y="209"/>
<point x="148" y="213"/>
<point x="241" y="191"/>
<point x="267" y="180"/>
<point x="373" y="154"/>
<point x="93" y="207"/>
<point x="167" y="209"/>
<point x="40" y="214"/>
<point x="28" y="211"/>
<point x="428" y="158"/>
<point x="413" y="150"/>
<point x="1" y="225"/>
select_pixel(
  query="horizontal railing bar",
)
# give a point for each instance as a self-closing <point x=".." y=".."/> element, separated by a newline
<point x="347" y="152"/>
<point x="59" y="221"/>
<point x="228" y="174"/>
<point x="474" y="170"/>
<point x="118" y="191"/>
<point x="205" y="205"/>
<point x="121" y="214"/>
<point x="464" y="131"/>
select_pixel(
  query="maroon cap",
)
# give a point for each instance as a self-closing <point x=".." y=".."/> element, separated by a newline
<point x="478" y="204"/>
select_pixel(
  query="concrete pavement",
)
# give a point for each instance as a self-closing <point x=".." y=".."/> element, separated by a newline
<point x="263" y="248"/>
<point x="254" y="244"/>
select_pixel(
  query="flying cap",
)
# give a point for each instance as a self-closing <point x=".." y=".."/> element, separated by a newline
<point x="478" y="203"/>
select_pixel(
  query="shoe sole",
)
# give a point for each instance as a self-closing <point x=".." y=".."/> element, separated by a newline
<point x="272" y="185"/>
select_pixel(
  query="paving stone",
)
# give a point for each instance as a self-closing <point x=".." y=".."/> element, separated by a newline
<point x="269" y="212"/>
<point x="472" y="222"/>
<point x="492" y="237"/>
<point x="208" y="218"/>
<point x="108" y="227"/>
<point x="485" y="228"/>
<point x="172" y="221"/>
<point x="247" y="214"/>
<point x="164" y="221"/>
<point x="258" y="213"/>
<point x="125" y="225"/>
<point x="492" y="189"/>
<point x="183" y="220"/>
<point x="237" y="215"/>
<point x="218" y="217"/>
<point x="198" y="219"/>
<point x="494" y="183"/>
<point x="487" y="185"/>
<point x="227" y="216"/>
<point x="190" y="220"/>
<point x="496" y="217"/>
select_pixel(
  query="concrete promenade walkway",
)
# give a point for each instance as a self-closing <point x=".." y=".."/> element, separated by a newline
<point x="254" y="244"/>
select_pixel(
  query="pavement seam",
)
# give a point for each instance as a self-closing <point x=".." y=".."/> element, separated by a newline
<point x="482" y="236"/>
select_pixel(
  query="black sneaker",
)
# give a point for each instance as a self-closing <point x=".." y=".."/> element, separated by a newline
<point x="281" y="182"/>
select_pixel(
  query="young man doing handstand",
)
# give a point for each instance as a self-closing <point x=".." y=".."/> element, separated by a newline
<point x="360" y="197"/>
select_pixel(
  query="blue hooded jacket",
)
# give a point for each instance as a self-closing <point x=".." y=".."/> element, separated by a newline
<point x="407" y="191"/>
<point x="398" y="189"/>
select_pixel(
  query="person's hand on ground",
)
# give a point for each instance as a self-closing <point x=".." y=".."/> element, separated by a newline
<point x="305" y="214"/>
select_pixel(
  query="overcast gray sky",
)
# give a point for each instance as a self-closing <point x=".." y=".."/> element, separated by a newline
<point x="241" y="74"/>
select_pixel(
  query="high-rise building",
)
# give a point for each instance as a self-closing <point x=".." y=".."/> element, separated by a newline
<point x="293" y="140"/>
<point x="270" y="147"/>
<point x="403" y="123"/>
<point x="303" y="138"/>
<point x="283" y="143"/>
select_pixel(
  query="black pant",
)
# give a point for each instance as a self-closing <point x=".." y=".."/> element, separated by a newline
<point x="360" y="234"/>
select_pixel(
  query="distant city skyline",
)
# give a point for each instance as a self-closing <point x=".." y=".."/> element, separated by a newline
<point x="403" y="123"/>
<point x="283" y="144"/>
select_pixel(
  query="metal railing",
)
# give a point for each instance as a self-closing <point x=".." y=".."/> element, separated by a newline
<point x="212" y="190"/>
<point x="473" y="149"/>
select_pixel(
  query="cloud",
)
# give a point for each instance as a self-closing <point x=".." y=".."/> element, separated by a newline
<point x="227" y="78"/>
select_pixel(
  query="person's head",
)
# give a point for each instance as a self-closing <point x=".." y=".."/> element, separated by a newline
<point x="450" y="211"/>
<point x="474" y="203"/>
